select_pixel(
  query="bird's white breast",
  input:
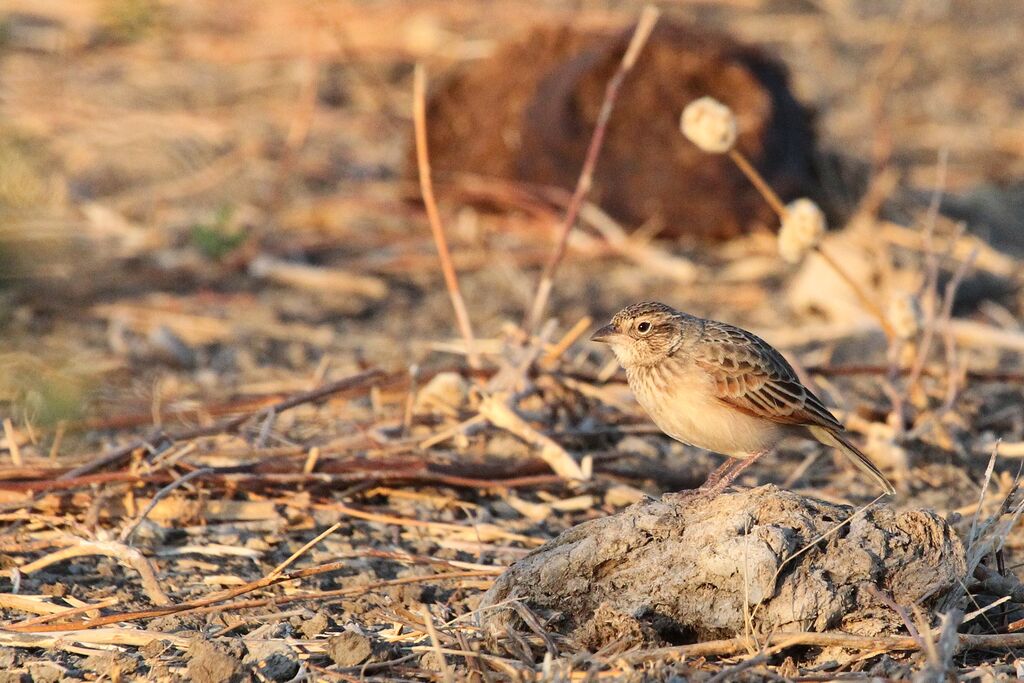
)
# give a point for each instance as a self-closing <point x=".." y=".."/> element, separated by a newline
<point x="686" y="408"/>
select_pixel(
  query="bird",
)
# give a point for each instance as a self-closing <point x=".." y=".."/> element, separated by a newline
<point x="721" y="388"/>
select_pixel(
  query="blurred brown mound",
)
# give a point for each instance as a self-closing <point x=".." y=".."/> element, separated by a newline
<point x="528" y="112"/>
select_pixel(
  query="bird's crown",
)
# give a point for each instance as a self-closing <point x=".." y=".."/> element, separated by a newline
<point x="643" y="308"/>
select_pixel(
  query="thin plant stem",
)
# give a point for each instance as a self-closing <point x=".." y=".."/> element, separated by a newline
<point x="929" y="293"/>
<point x="644" y="26"/>
<point x="862" y="297"/>
<point x="451" y="280"/>
<point x="758" y="181"/>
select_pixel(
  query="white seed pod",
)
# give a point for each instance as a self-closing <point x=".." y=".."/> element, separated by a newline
<point x="802" y="228"/>
<point x="710" y="125"/>
<point x="905" y="316"/>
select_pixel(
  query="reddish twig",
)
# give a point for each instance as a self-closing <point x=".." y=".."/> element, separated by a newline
<point x="414" y="469"/>
<point x="853" y="370"/>
<point x="451" y="281"/>
<point x="359" y="380"/>
<point x="223" y="596"/>
<point x="643" y="30"/>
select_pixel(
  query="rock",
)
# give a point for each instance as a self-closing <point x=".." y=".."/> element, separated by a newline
<point x="211" y="663"/>
<point x="45" y="672"/>
<point x="679" y="569"/>
<point x="349" y="649"/>
<point x="315" y="625"/>
<point x="274" y="660"/>
<point x="112" y="664"/>
<point x="533" y="123"/>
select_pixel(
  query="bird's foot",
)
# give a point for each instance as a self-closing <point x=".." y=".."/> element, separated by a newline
<point x="725" y="475"/>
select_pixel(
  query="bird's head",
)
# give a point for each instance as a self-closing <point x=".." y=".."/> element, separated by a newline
<point x="645" y="333"/>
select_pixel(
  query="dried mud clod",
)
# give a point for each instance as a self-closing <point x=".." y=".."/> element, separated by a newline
<point x="533" y="122"/>
<point x="680" y="570"/>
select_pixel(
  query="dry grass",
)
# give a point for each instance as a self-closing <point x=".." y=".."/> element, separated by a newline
<point x="233" y="407"/>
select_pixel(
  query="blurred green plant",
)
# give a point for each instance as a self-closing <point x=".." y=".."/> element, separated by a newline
<point x="23" y="184"/>
<point x="128" y="21"/>
<point x="218" y="237"/>
<point x="5" y="31"/>
<point x="40" y="392"/>
<point x="25" y="192"/>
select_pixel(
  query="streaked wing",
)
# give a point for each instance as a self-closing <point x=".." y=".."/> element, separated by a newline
<point x="751" y="376"/>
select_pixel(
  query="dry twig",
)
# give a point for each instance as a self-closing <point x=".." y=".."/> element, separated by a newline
<point x="126" y="555"/>
<point x="644" y="26"/>
<point x="451" y="280"/>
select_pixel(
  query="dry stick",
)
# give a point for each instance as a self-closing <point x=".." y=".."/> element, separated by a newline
<point x="105" y="636"/>
<point x="644" y="26"/>
<point x="886" y="599"/>
<point x="427" y="188"/>
<point x="953" y="370"/>
<point x="12" y="443"/>
<point x="852" y="370"/>
<point x="758" y="182"/>
<point x="730" y="673"/>
<point x="214" y="602"/>
<point x="414" y="473"/>
<point x="119" y="551"/>
<point x="498" y="411"/>
<point x="862" y="297"/>
<point x="74" y="611"/>
<point x="410" y="399"/>
<point x="472" y="663"/>
<point x="302" y="551"/>
<point x="435" y="642"/>
<point x="931" y="283"/>
<point x="397" y="381"/>
<point x="567" y="340"/>
<point x="345" y="384"/>
<point x="781" y="641"/>
<point x="411" y="522"/>
<point x="58" y="439"/>
<point x="126" y="537"/>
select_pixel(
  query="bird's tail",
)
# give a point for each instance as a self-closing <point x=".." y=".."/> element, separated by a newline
<point x="830" y="438"/>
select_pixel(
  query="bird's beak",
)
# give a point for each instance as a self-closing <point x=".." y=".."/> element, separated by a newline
<point x="605" y="334"/>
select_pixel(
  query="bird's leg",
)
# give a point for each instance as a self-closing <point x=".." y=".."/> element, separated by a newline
<point x="719" y="472"/>
<point x="727" y="477"/>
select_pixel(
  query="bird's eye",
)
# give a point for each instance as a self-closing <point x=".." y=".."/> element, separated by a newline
<point x="644" y="327"/>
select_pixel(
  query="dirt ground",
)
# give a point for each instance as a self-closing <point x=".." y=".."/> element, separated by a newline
<point x="243" y="438"/>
